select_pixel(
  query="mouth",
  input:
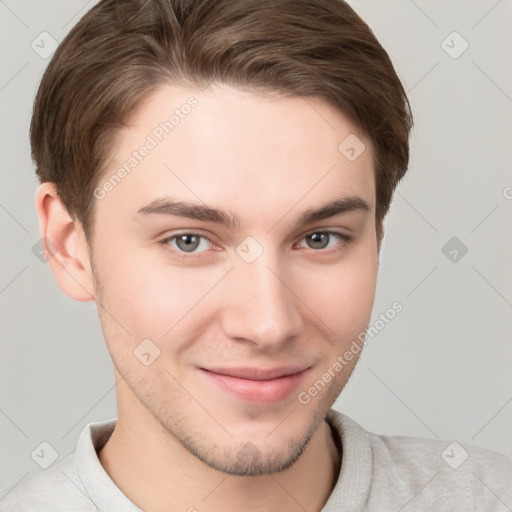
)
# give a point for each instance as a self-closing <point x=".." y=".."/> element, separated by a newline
<point x="257" y="385"/>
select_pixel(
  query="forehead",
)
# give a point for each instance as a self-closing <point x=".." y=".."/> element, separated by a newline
<point x="257" y="154"/>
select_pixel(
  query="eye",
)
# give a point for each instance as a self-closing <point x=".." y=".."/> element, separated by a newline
<point x="189" y="242"/>
<point x="322" y="239"/>
<point x="186" y="242"/>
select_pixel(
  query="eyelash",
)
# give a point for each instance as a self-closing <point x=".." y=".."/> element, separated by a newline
<point x="345" y="238"/>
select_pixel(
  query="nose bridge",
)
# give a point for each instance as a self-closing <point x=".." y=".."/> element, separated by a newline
<point x="263" y="308"/>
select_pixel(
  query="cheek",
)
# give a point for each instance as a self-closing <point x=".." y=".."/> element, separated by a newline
<point x="149" y="297"/>
<point x="345" y="294"/>
<point x="345" y="307"/>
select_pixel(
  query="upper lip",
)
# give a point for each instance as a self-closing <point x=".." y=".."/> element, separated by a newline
<point x="258" y="373"/>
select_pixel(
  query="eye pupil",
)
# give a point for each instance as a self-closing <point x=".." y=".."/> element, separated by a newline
<point x="319" y="240"/>
<point x="187" y="243"/>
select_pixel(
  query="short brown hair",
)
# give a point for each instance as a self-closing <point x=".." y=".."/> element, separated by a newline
<point x="122" y="50"/>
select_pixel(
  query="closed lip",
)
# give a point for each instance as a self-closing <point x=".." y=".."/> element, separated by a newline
<point x="258" y="373"/>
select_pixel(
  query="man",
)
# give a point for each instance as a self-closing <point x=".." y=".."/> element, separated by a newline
<point x="215" y="175"/>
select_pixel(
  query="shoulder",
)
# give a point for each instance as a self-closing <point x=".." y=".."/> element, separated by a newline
<point x="445" y="456"/>
<point x="442" y="472"/>
<point x="55" y="489"/>
<point x="429" y="473"/>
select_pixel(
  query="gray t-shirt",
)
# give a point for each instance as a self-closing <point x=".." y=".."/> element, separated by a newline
<point x="378" y="473"/>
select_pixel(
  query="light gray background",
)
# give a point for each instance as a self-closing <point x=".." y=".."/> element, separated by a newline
<point x="440" y="369"/>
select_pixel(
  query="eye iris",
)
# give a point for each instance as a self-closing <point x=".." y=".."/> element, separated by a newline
<point x="319" y="240"/>
<point x="187" y="243"/>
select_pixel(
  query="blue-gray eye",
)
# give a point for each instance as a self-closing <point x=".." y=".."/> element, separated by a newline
<point x="186" y="242"/>
<point x="321" y="239"/>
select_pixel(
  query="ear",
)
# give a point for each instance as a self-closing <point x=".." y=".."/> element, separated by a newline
<point x="64" y="244"/>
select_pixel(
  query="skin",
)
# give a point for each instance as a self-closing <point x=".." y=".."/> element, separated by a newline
<point x="266" y="160"/>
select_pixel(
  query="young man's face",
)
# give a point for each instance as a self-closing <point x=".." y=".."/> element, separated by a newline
<point x="229" y="304"/>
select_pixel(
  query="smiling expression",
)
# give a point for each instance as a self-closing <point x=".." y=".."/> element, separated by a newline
<point x="242" y="249"/>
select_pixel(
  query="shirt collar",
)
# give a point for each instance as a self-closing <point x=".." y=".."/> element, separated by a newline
<point x="352" y="489"/>
<point x="103" y="492"/>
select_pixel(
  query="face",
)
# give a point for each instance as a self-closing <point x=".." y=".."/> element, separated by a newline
<point x="224" y="299"/>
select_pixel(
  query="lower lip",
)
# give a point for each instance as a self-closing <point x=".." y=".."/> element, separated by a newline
<point x="263" y="392"/>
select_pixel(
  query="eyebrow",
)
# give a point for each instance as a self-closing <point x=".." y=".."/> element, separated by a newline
<point x="169" y="207"/>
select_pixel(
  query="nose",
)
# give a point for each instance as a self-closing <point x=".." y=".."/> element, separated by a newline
<point x="261" y="306"/>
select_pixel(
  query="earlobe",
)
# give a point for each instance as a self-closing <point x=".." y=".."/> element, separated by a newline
<point x="65" y="245"/>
